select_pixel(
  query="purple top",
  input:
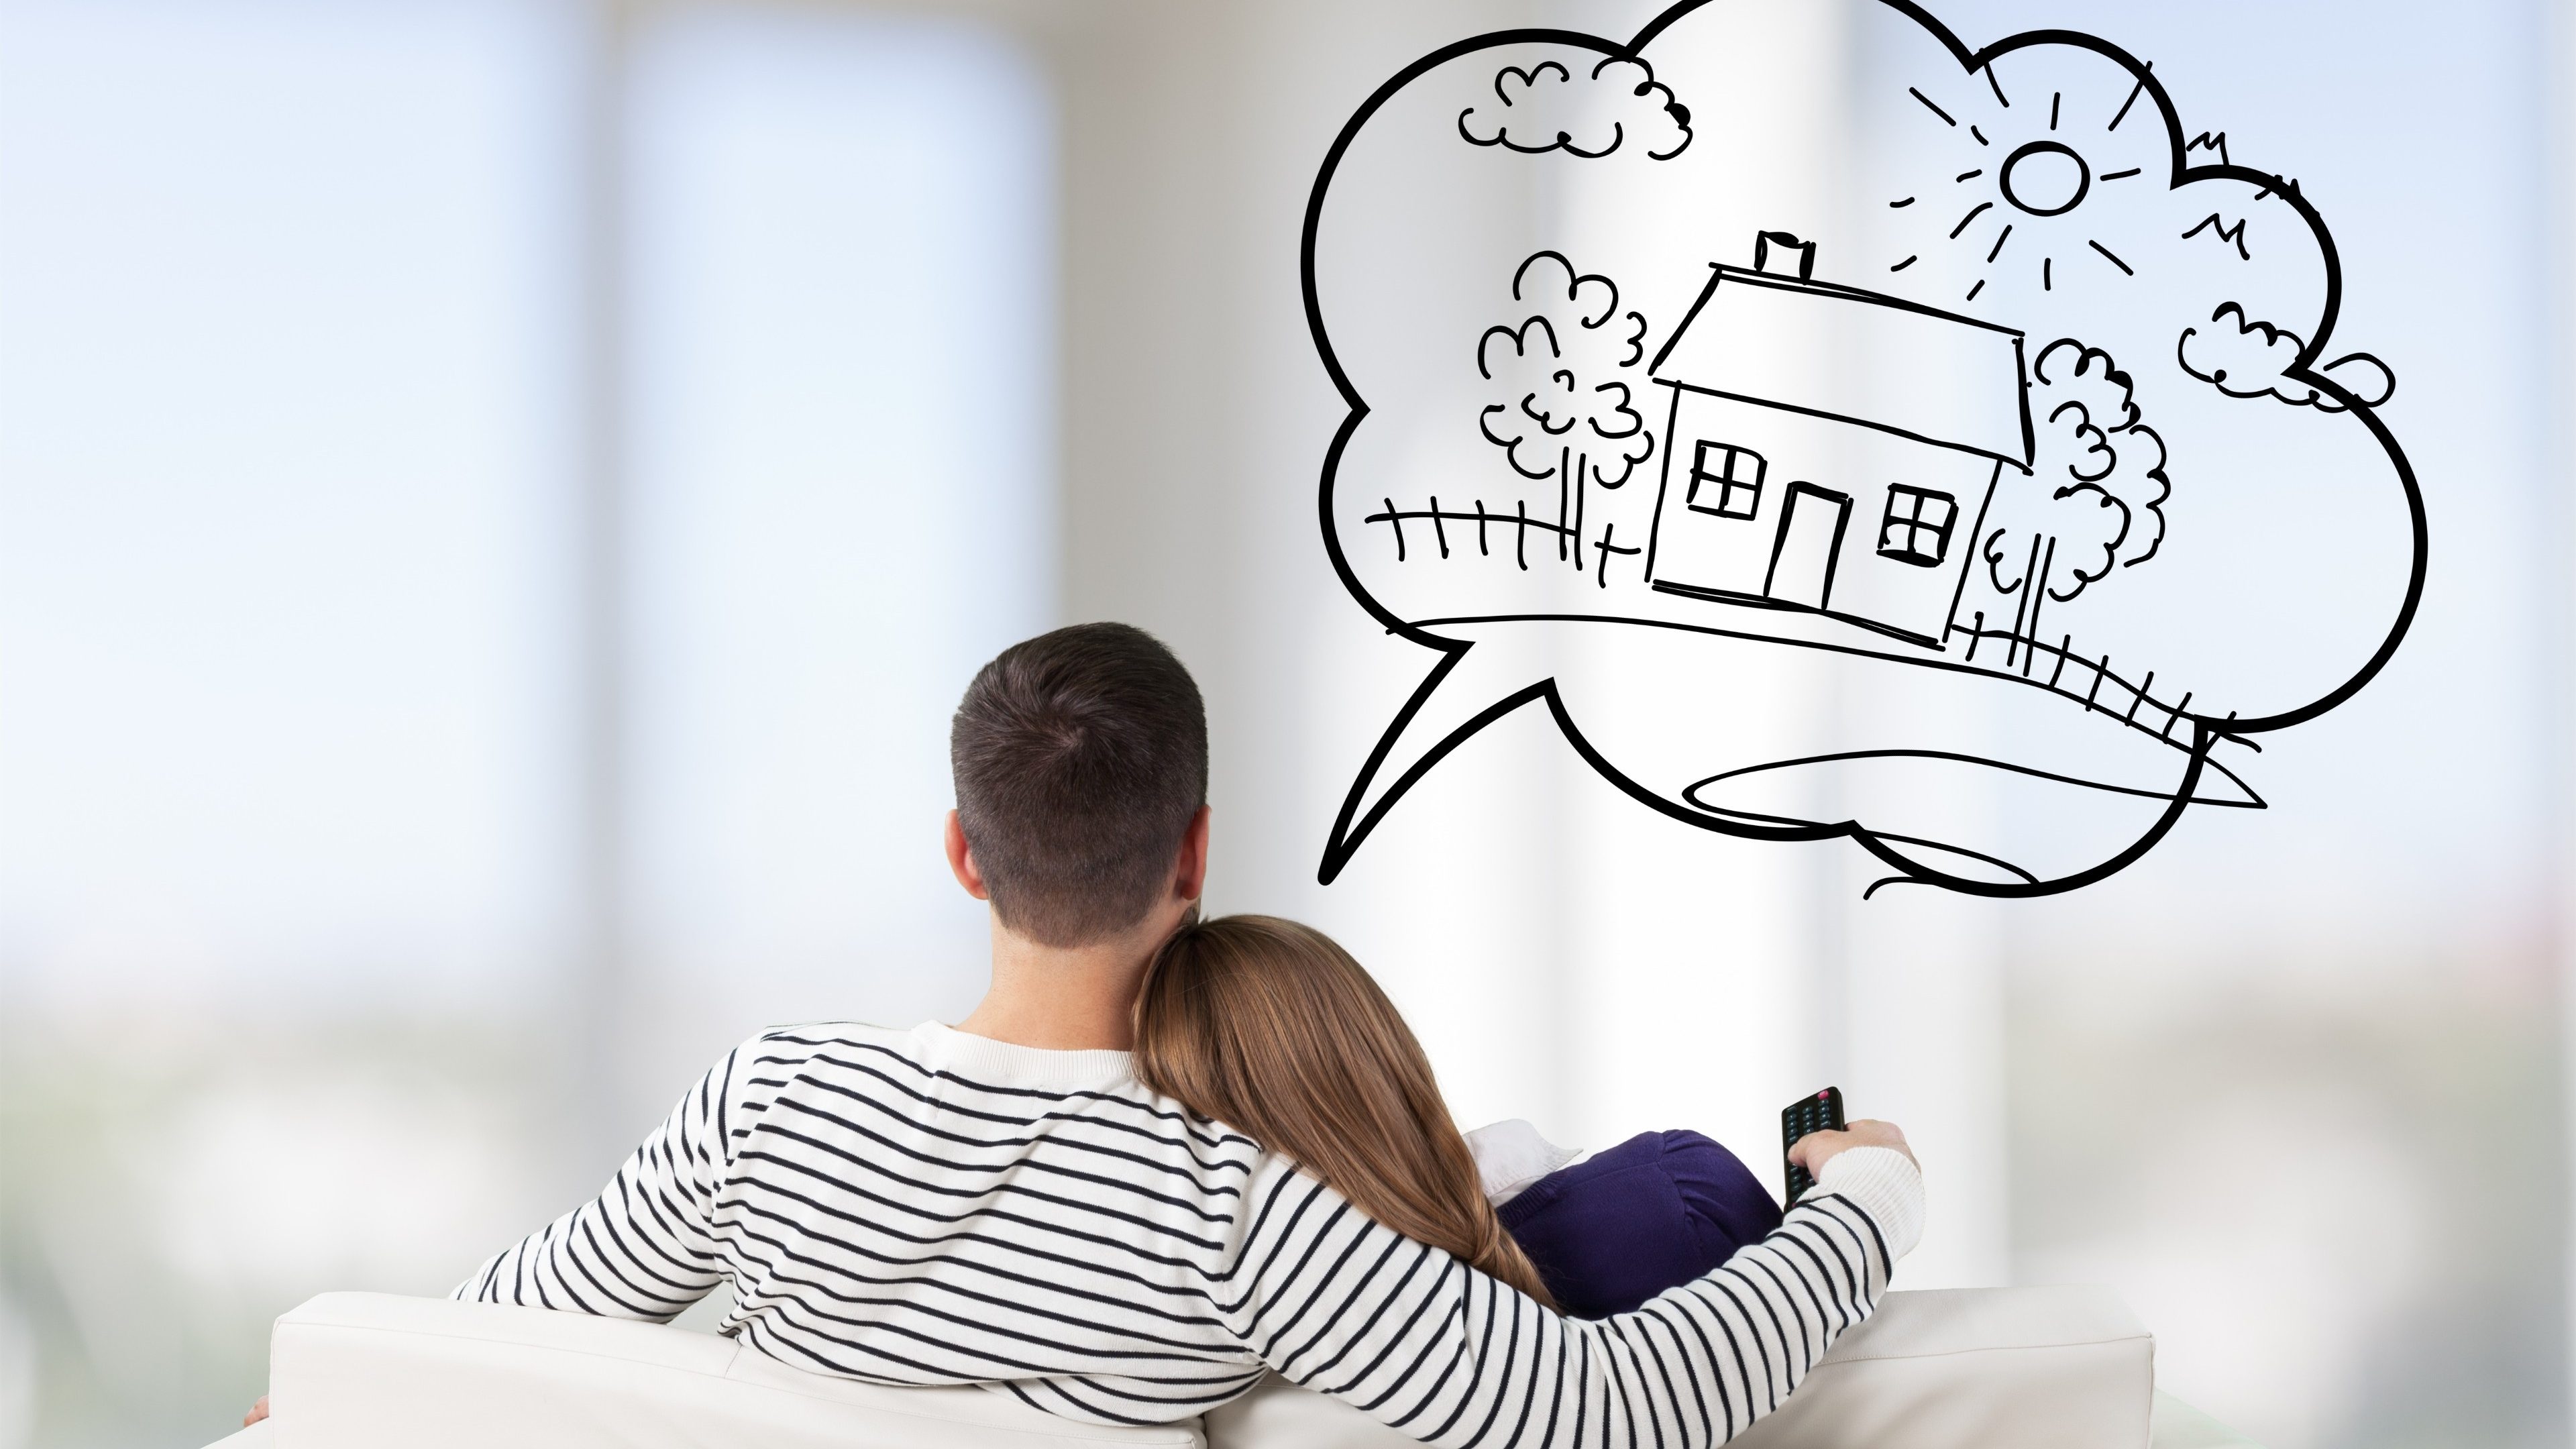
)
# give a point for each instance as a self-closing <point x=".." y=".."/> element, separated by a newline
<point x="1623" y="1225"/>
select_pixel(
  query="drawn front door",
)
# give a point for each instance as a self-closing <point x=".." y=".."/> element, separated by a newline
<point x="1811" y="534"/>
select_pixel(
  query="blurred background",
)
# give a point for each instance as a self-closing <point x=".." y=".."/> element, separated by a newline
<point x="498" y="498"/>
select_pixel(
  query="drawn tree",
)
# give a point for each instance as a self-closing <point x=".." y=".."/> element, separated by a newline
<point x="2094" y="498"/>
<point x="1560" y="398"/>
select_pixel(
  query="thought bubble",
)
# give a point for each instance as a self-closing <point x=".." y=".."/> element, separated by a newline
<point x="1975" y="419"/>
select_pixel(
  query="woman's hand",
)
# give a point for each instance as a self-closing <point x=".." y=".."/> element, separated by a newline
<point x="257" y="1412"/>
<point x="1816" y="1148"/>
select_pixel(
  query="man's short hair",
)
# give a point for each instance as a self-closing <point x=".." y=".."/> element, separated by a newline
<point x="1080" y="758"/>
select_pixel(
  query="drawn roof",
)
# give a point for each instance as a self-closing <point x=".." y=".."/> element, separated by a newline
<point x="1978" y="405"/>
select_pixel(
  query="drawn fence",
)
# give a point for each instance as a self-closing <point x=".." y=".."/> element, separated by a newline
<point x="1483" y="523"/>
<point x="2056" y="667"/>
<point x="2090" y="682"/>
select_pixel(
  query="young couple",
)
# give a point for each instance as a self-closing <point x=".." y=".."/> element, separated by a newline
<point x="1164" y="1157"/>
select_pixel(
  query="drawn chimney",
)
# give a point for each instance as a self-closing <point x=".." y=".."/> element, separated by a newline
<point x="1780" y="254"/>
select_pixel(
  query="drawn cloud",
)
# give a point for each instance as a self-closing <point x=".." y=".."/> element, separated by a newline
<point x="1546" y="107"/>
<point x="2244" y="357"/>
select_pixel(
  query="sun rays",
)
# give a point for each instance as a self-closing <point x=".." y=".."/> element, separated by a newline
<point x="2035" y="205"/>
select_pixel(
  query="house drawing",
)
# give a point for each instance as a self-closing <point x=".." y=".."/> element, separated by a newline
<point x="1831" y="450"/>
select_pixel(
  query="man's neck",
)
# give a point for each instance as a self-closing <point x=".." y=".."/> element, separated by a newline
<point x="1065" y="998"/>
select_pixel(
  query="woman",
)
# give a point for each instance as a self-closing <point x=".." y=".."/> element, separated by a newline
<point x="1271" y="1028"/>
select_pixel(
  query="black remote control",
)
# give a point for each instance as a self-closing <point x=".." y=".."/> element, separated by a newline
<point x="1822" y="1112"/>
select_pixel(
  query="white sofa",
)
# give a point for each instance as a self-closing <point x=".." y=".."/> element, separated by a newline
<point x="2022" y="1368"/>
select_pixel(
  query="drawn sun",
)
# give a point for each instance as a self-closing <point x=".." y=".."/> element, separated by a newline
<point x="2031" y="194"/>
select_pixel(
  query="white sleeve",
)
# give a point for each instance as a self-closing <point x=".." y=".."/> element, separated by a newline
<point x="1510" y="1155"/>
<point x="1430" y="1347"/>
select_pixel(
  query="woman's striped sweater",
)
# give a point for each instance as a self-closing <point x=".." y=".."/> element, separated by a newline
<point x="929" y="1207"/>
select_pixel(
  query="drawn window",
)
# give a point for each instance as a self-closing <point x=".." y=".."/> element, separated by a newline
<point x="1726" y="481"/>
<point x="1917" y="527"/>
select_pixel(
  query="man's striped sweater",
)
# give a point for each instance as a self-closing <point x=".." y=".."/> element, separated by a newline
<point x="929" y="1207"/>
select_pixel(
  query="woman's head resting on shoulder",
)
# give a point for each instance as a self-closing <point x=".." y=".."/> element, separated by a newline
<point x="1272" y="1029"/>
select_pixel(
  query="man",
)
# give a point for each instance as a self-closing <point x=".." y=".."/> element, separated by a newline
<point x="1000" y="1203"/>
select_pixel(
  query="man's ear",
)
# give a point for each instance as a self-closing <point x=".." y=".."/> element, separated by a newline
<point x="1190" y="879"/>
<point x="961" y="859"/>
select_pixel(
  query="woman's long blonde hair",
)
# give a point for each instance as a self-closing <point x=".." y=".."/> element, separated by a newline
<point x="1271" y="1028"/>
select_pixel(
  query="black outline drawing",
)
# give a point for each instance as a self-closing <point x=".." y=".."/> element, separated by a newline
<point x="2114" y="467"/>
<point x="2034" y="206"/>
<point x="2013" y="163"/>
<point x="1723" y="573"/>
<point x="1533" y="77"/>
<point x="2216" y="373"/>
<point x="1737" y="497"/>
<point x="2027" y="658"/>
<point x="1571" y="439"/>
<point x="1911" y="551"/>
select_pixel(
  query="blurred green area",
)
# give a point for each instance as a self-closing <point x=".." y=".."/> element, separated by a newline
<point x="175" y="1182"/>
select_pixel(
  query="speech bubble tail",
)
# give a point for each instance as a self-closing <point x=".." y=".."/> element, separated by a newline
<point x="1442" y="715"/>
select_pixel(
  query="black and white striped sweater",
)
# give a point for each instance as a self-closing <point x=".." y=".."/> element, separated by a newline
<point x="929" y="1207"/>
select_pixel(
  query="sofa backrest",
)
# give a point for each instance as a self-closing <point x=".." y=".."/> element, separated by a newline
<point x="377" y="1371"/>
<point x="1986" y="1368"/>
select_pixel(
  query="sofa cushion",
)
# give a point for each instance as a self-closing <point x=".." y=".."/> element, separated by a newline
<point x="376" y="1371"/>
<point x="2019" y="1368"/>
<point x="1959" y="1368"/>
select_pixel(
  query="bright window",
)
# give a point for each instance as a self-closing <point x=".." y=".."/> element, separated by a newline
<point x="842" y="500"/>
<point x="377" y="468"/>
